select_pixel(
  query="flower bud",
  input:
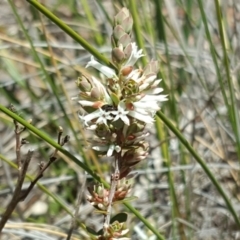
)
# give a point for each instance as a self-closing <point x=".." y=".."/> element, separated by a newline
<point x="128" y="51"/>
<point x="98" y="197"/>
<point x="115" y="230"/>
<point x="151" y="68"/>
<point x="103" y="131"/>
<point x="96" y="94"/>
<point x="125" y="40"/>
<point x="122" y="189"/>
<point x="118" y="32"/>
<point x="127" y="24"/>
<point x="84" y="84"/>
<point x="121" y="16"/>
<point x="117" y="55"/>
<point x="125" y="71"/>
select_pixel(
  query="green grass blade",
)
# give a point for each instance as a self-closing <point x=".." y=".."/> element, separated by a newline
<point x="71" y="32"/>
<point x="233" y="112"/>
<point x="204" y="166"/>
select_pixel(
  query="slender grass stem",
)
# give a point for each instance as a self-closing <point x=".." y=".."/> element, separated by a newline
<point x="71" y="33"/>
<point x="204" y="166"/>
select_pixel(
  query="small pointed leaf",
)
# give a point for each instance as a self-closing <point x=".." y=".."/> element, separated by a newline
<point x="120" y="217"/>
<point x="91" y="231"/>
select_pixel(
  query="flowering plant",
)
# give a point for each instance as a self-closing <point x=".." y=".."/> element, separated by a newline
<point x="117" y="110"/>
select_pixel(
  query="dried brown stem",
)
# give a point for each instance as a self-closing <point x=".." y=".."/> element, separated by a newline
<point x="114" y="181"/>
<point x="43" y="168"/>
<point x="18" y="194"/>
<point x="76" y="214"/>
<point x="22" y="169"/>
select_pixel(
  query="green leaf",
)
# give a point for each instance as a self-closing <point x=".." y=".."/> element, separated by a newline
<point x="120" y="217"/>
<point x="115" y="98"/>
<point x="91" y="231"/>
<point x="127" y="199"/>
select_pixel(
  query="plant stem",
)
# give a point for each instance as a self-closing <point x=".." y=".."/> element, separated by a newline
<point x="114" y="181"/>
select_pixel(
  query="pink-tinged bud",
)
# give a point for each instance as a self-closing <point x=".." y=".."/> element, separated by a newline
<point x="117" y="55"/>
<point x="129" y="106"/>
<point x="128" y="51"/>
<point x="121" y="16"/>
<point x="98" y="104"/>
<point x="84" y="84"/>
<point x="127" y="24"/>
<point x="152" y="67"/>
<point x="118" y="32"/>
<point x="131" y="137"/>
<point x="97" y="94"/>
<point x="99" y="196"/>
<point x="124" y="40"/>
<point x="116" y="230"/>
<point x="125" y="71"/>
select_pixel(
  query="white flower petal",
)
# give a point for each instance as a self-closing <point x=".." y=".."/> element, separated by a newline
<point x="156" y="82"/>
<point x="150" y="79"/>
<point x="148" y="106"/>
<point x="86" y="103"/>
<point x="125" y="120"/>
<point x="121" y="113"/>
<point x="157" y="90"/>
<point x="143" y="86"/>
<point x="100" y="148"/>
<point x="134" y="74"/>
<point x="153" y="91"/>
<point x="109" y="72"/>
<point x="141" y="117"/>
<point x="141" y="110"/>
<point x="91" y="116"/>
<point x="92" y="127"/>
<point x="104" y="116"/>
<point x="135" y="55"/>
<point x="118" y="148"/>
<point x="110" y="150"/>
<point x="157" y="98"/>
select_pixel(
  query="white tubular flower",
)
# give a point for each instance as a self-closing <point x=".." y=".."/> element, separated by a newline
<point x="142" y="117"/>
<point x="121" y="113"/>
<point x="89" y="117"/>
<point x="135" y="55"/>
<point x="101" y="116"/>
<point x="156" y="83"/>
<point x="108" y="72"/>
<point x="134" y="75"/>
<point x="104" y="116"/>
<point x="145" y="109"/>
<point x="154" y="98"/>
<point x="87" y="103"/>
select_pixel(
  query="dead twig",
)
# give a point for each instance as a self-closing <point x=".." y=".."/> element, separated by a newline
<point x="19" y="194"/>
